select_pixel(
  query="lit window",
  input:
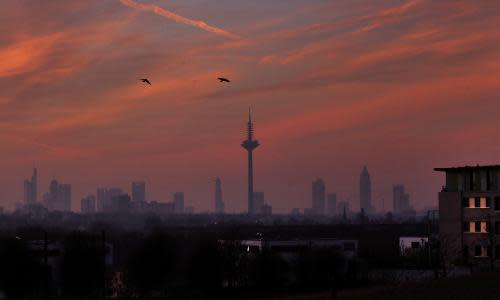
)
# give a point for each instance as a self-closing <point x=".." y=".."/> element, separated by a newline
<point x="472" y="226"/>
<point x="483" y="202"/>
<point x="478" y="226"/>
<point x="484" y="227"/>
<point x="472" y="202"/>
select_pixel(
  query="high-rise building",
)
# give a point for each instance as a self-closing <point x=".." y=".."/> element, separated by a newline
<point x="318" y="196"/>
<point x="65" y="197"/>
<point x="219" y="204"/>
<point x="104" y="196"/>
<point x="331" y="204"/>
<point x="365" y="192"/>
<point x="179" y="202"/>
<point x="101" y="199"/>
<point x="250" y="144"/>
<point x="258" y="202"/>
<point x="400" y="199"/>
<point x="87" y="205"/>
<point x="119" y="203"/>
<point x="59" y="197"/>
<point x="469" y="215"/>
<point x="30" y="188"/>
<point x="139" y="191"/>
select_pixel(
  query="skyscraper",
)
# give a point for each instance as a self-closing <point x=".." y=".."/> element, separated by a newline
<point x="139" y="191"/>
<point x="101" y="199"/>
<point x="104" y="196"/>
<point x="318" y="196"/>
<point x="59" y="196"/>
<point x="219" y="204"/>
<point x="179" y="202"/>
<point x="30" y="188"/>
<point x="250" y="144"/>
<point x="87" y="205"/>
<point x="401" y="199"/>
<point x="258" y="202"/>
<point x="365" y="191"/>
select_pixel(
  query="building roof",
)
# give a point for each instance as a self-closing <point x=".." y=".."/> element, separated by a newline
<point x="467" y="168"/>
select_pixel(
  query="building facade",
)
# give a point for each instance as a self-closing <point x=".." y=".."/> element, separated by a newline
<point x="469" y="215"/>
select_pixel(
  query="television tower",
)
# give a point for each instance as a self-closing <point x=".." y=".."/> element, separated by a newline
<point x="250" y="144"/>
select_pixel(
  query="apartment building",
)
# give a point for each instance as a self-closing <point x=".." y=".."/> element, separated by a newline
<point x="469" y="210"/>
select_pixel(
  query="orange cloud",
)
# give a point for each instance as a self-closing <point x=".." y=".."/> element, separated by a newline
<point x="178" y="18"/>
<point x="27" y="55"/>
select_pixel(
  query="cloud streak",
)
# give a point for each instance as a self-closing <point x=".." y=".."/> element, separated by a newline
<point x="178" y="18"/>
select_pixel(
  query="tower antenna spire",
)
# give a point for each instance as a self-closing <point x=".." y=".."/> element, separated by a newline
<point x="250" y="144"/>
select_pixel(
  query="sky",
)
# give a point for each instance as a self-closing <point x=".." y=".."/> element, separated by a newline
<point x="399" y="86"/>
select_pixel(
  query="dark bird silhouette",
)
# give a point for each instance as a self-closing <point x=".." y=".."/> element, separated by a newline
<point x="145" y="80"/>
<point x="222" y="79"/>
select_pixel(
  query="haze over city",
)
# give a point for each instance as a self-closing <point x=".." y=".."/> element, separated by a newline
<point x="399" y="86"/>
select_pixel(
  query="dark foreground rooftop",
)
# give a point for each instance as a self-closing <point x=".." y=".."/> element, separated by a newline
<point x="468" y="168"/>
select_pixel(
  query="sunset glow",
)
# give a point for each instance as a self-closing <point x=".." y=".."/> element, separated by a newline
<point x="399" y="86"/>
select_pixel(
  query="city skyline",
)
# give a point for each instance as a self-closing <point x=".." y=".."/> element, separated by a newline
<point x="334" y="85"/>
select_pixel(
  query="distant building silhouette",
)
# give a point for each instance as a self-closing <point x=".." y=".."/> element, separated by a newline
<point x="401" y="199"/>
<point x="318" y="196"/>
<point x="88" y="205"/>
<point x="138" y="191"/>
<point x="219" y="203"/>
<point x="331" y="204"/>
<point x="365" y="192"/>
<point x="119" y="204"/>
<point x="101" y="198"/>
<point x="30" y="188"/>
<point x="344" y="207"/>
<point x="250" y="144"/>
<point x="179" y="202"/>
<point x="258" y="202"/>
<point x="59" y="197"/>
<point x="104" y="196"/>
<point x="267" y="210"/>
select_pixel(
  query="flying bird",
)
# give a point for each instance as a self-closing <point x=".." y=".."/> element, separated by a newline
<point x="222" y="79"/>
<point x="145" y="80"/>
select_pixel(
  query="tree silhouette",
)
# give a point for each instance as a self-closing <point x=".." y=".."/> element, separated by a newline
<point x="149" y="265"/>
<point x="205" y="265"/>
<point x="268" y="271"/>
<point x="81" y="265"/>
<point x="20" y="273"/>
<point x="316" y="268"/>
